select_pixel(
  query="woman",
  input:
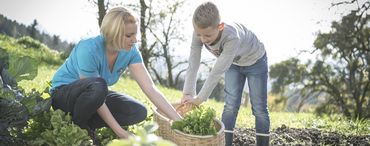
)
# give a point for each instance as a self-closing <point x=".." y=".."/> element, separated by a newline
<point x="80" y="85"/>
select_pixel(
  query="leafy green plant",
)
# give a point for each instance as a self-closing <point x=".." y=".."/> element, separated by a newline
<point x="105" y="135"/>
<point x="63" y="132"/>
<point x="23" y="68"/>
<point x="36" y="125"/>
<point x="15" y="107"/>
<point x="145" y="137"/>
<point x="199" y="121"/>
<point x="4" y="59"/>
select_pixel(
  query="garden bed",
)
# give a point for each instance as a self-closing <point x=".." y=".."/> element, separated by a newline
<point x="295" y="136"/>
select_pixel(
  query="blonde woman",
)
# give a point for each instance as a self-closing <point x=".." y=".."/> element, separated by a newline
<point x="80" y="85"/>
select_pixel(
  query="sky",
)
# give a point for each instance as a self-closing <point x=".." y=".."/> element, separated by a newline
<point x="284" y="26"/>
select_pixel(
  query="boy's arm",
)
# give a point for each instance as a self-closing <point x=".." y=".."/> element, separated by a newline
<point x="223" y="63"/>
<point x="194" y="63"/>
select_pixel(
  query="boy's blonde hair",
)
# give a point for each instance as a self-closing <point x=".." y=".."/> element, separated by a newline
<point x="113" y="26"/>
<point x="206" y="15"/>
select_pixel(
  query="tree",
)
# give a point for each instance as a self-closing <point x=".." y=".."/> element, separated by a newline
<point x="341" y="72"/>
<point x="102" y="8"/>
<point x="166" y="33"/>
<point x="14" y="31"/>
<point x="282" y="84"/>
<point x="32" y="29"/>
<point x="146" y="21"/>
<point x="56" y="40"/>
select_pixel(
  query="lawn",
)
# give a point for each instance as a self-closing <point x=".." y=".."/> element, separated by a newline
<point x="245" y="118"/>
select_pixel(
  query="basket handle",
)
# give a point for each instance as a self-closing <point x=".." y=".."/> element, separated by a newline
<point x="179" y="106"/>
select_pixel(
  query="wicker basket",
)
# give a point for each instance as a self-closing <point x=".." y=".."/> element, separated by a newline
<point x="164" y="124"/>
<point x="183" y="139"/>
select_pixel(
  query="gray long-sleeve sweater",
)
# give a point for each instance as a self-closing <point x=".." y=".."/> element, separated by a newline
<point x="237" y="45"/>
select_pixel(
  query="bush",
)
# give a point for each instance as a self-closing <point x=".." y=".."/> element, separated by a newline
<point x="29" y="42"/>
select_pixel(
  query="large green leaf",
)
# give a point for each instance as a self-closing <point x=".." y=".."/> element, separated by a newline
<point x="7" y="78"/>
<point x="24" y="68"/>
<point x="4" y="58"/>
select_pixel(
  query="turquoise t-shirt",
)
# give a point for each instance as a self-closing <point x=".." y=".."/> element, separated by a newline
<point x="88" y="59"/>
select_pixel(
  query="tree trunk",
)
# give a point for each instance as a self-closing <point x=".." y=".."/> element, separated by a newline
<point x="102" y="11"/>
<point x="144" y="44"/>
<point x="169" y="66"/>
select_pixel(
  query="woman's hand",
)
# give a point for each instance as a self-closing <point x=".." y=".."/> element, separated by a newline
<point x="124" y="134"/>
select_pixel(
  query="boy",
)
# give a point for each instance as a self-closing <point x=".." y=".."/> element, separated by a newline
<point x="240" y="55"/>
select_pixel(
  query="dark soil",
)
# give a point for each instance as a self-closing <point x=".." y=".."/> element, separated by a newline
<point x="294" y="136"/>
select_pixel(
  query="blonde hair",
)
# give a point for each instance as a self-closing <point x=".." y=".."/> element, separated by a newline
<point x="113" y="26"/>
<point x="206" y="15"/>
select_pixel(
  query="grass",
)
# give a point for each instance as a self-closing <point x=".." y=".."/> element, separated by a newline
<point x="335" y="123"/>
<point x="44" y="74"/>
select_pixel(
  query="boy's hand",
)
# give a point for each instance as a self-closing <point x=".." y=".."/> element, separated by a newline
<point x="191" y="99"/>
<point x="185" y="98"/>
<point x="196" y="101"/>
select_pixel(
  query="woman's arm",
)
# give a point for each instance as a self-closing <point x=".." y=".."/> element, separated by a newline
<point x="108" y="118"/>
<point x="145" y="82"/>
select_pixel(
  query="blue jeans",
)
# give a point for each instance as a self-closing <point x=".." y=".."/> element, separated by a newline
<point x="82" y="98"/>
<point x="235" y="78"/>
